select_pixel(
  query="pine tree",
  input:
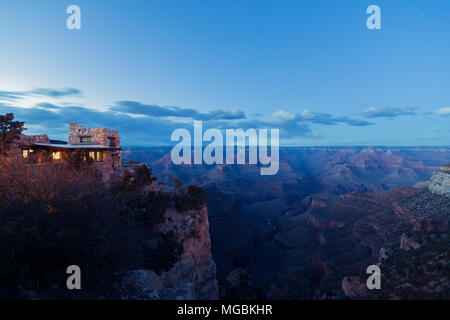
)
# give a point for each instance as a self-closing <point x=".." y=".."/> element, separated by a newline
<point x="10" y="130"/>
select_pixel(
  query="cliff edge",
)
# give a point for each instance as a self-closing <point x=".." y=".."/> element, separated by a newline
<point x="183" y="235"/>
<point x="440" y="181"/>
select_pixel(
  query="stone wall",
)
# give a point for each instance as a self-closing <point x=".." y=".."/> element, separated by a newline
<point x="26" y="142"/>
<point x="99" y="136"/>
<point x="113" y="160"/>
<point x="30" y="140"/>
<point x="440" y="181"/>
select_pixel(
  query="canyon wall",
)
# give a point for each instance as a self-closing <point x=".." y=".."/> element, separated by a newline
<point x="192" y="277"/>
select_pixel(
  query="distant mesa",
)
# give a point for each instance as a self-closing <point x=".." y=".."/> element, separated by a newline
<point x="440" y="181"/>
<point x="368" y="150"/>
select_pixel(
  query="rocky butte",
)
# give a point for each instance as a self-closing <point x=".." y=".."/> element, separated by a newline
<point x="440" y="181"/>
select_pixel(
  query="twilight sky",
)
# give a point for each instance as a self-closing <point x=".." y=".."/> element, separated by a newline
<point x="310" y="68"/>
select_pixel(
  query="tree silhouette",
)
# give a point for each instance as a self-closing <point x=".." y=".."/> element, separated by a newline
<point x="10" y="130"/>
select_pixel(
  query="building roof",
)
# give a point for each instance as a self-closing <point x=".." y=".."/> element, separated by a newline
<point x="74" y="146"/>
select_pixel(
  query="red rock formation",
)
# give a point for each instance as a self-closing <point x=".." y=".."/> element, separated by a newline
<point x="193" y="277"/>
<point x="196" y="265"/>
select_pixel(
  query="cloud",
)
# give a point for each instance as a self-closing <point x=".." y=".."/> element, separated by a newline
<point x="137" y="108"/>
<point x="54" y="93"/>
<point x="12" y="95"/>
<point x="47" y="105"/>
<point x="55" y="120"/>
<point x="295" y="124"/>
<point x="284" y="117"/>
<point x="146" y="124"/>
<point x="287" y="129"/>
<point x="354" y="122"/>
<point x="444" y="111"/>
<point x="388" y="112"/>
<point x="45" y="92"/>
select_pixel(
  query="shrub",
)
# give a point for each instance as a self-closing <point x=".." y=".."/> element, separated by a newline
<point x="165" y="254"/>
<point x="191" y="198"/>
<point x="10" y="130"/>
<point x="52" y="217"/>
<point x="61" y="214"/>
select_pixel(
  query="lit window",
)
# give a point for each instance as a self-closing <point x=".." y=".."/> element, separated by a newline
<point x="104" y="156"/>
<point x="92" y="155"/>
<point x="25" y="153"/>
<point x="99" y="156"/>
<point x="56" y="155"/>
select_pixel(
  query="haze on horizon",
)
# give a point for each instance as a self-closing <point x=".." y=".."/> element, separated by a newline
<point x="310" y="68"/>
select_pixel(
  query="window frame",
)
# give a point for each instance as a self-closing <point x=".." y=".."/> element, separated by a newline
<point x="86" y="139"/>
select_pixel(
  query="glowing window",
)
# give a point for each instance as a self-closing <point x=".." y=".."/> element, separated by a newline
<point x="99" y="156"/>
<point x="25" y="153"/>
<point x="56" y="155"/>
<point x="92" y="155"/>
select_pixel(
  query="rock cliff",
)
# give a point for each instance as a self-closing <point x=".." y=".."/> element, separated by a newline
<point x="440" y="181"/>
<point x="193" y="275"/>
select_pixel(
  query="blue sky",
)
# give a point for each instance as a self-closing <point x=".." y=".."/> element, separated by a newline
<point x="310" y="68"/>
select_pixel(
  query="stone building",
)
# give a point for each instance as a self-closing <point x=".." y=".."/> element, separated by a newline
<point x="100" y="144"/>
